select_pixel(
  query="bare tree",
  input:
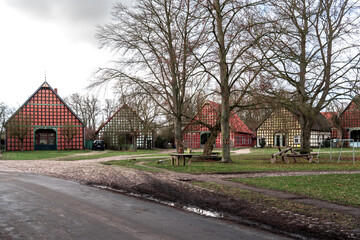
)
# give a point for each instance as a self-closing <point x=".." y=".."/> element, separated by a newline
<point x="154" y="40"/>
<point x="110" y="107"/>
<point x="5" y="112"/>
<point x="87" y="108"/>
<point x="228" y="60"/>
<point x="19" y="127"/>
<point x="311" y="53"/>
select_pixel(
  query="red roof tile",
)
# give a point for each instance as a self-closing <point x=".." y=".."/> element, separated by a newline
<point x="329" y="115"/>
<point x="236" y="124"/>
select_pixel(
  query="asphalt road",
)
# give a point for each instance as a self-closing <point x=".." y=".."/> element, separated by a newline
<point x="40" y="207"/>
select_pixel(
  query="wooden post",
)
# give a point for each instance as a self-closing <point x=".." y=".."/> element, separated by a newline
<point x="286" y="159"/>
<point x="310" y="158"/>
<point x="273" y="158"/>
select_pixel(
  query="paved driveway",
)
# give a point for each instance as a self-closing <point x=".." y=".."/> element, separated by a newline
<point x="40" y="207"/>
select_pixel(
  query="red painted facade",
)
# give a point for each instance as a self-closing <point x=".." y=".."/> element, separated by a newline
<point x="195" y="134"/>
<point x="47" y="118"/>
<point x="350" y="122"/>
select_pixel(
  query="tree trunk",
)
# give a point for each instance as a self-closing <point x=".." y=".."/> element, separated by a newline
<point x="178" y="135"/>
<point x="134" y="142"/>
<point x="339" y="136"/>
<point x="209" y="145"/>
<point x="225" y="88"/>
<point x="306" y="125"/>
<point x="145" y="141"/>
<point x="225" y="129"/>
<point x="340" y="133"/>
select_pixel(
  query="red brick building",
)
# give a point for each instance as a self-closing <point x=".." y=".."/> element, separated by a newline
<point x="350" y="123"/>
<point x="44" y="122"/>
<point x="196" y="135"/>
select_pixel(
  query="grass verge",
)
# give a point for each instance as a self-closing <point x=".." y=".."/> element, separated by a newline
<point x="338" y="188"/>
<point x="259" y="163"/>
<point x="258" y="160"/>
<point x="291" y="209"/>
<point x="38" y="155"/>
<point x="131" y="163"/>
<point x="110" y="153"/>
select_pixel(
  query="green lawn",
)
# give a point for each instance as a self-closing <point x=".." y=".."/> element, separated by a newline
<point x="36" y="155"/>
<point x="68" y="155"/>
<point x="110" y="153"/>
<point x="259" y="161"/>
<point x="340" y="188"/>
<point x="257" y="151"/>
<point x="271" y="203"/>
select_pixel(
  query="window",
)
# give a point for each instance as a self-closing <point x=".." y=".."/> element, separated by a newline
<point x="297" y="139"/>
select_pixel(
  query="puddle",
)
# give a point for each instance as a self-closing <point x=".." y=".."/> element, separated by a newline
<point x="196" y="210"/>
<point x="203" y="212"/>
<point x="207" y="213"/>
<point x="185" y="179"/>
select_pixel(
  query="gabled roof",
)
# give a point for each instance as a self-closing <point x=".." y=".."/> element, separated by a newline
<point x="45" y="85"/>
<point x="321" y="122"/>
<point x="124" y="106"/>
<point x="236" y="124"/>
<point x="329" y="116"/>
<point x="355" y="100"/>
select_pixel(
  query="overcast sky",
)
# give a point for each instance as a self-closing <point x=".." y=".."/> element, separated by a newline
<point x="52" y="36"/>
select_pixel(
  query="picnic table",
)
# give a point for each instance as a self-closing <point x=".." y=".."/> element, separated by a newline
<point x="293" y="154"/>
<point x="178" y="156"/>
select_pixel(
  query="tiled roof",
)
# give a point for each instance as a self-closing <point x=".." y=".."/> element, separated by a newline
<point x="322" y="123"/>
<point x="236" y="124"/>
<point x="329" y="115"/>
<point x="46" y="85"/>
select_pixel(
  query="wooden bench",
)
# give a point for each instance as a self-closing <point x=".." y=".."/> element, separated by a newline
<point x="178" y="156"/>
<point x="215" y="154"/>
<point x="293" y="154"/>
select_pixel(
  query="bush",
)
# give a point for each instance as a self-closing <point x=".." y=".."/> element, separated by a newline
<point x="262" y="143"/>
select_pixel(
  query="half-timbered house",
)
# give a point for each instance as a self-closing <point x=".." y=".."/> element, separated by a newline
<point x="281" y="128"/>
<point x="44" y="122"/>
<point x="350" y="123"/>
<point x="196" y="134"/>
<point x="125" y="129"/>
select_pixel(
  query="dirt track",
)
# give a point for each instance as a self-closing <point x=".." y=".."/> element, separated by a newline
<point x="173" y="187"/>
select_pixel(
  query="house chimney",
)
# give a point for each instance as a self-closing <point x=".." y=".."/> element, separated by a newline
<point x="55" y="90"/>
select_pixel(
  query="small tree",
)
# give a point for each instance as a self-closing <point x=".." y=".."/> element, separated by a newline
<point x="5" y="112"/>
<point x="90" y="134"/>
<point x="68" y="131"/>
<point x="18" y="127"/>
<point x="262" y="143"/>
<point x="87" y="107"/>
